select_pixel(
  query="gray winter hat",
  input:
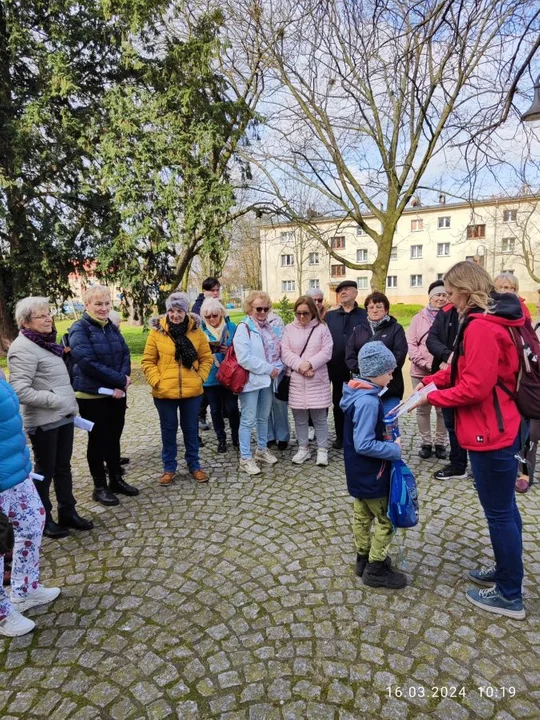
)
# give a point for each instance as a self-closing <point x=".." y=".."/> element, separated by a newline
<point x="179" y="300"/>
<point x="375" y="359"/>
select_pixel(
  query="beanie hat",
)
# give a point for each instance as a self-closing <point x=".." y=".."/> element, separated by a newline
<point x="375" y="359"/>
<point x="436" y="284"/>
<point x="178" y="300"/>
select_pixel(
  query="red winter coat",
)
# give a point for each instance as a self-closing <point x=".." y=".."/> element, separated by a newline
<point x="486" y="355"/>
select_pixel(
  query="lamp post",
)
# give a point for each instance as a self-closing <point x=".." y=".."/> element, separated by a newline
<point x="533" y="113"/>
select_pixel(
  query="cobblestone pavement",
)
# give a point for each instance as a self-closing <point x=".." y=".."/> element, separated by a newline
<point x="238" y="600"/>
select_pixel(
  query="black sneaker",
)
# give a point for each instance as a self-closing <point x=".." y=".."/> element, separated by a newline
<point x="450" y="472"/>
<point x="361" y="562"/>
<point x="440" y="452"/>
<point x="282" y="445"/>
<point x="425" y="452"/>
<point x="381" y="575"/>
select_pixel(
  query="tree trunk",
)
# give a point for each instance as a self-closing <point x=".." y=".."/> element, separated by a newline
<point x="8" y="328"/>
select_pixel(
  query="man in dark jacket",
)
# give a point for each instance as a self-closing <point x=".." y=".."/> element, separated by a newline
<point x="440" y="343"/>
<point x="341" y="323"/>
<point x="210" y="288"/>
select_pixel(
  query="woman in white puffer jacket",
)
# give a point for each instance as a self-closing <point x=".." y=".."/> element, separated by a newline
<point x="306" y="348"/>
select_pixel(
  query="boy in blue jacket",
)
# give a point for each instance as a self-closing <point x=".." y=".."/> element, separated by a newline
<point x="368" y="459"/>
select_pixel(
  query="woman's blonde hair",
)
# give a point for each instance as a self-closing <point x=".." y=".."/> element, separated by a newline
<point x="247" y="302"/>
<point x="510" y="278"/>
<point x="96" y="291"/>
<point x="469" y="278"/>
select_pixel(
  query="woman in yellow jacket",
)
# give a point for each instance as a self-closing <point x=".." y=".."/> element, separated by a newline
<point x="176" y="362"/>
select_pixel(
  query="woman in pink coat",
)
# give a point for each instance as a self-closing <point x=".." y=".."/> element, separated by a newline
<point x="421" y="361"/>
<point x="306" y="347"/>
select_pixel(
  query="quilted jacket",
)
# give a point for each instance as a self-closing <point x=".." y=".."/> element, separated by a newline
<point x="15" y="465"/>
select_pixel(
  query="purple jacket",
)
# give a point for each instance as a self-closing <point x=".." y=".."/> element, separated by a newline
<point x="421" y="358"/>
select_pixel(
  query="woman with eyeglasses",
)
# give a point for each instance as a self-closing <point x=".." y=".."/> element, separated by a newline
<point x="101" y="360"/>
<point x="316" y="294"/>
<point x="176" y="362"/>
<point x="306" y="349"/>
<point x="219" y="330"/>
<point x="257" y="350"/>
<point x="39" y="376"/>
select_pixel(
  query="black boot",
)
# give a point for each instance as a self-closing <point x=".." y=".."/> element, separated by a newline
<point x="282" y="445"/>
<point x="102" y="495"/>
<point x="72" y="519"/>
<point x="380" y="574"/>
<point x="222" y="446"/>
<point x="361" y="562"/>
<point x="118" y="485"/>
<point x="425" y="452"/>
<point x="124" y="461"/>
<point x="52" y="530"/>
<point x="440" y="452"/>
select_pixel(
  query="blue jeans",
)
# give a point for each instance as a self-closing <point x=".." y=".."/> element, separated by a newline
<point x="458" y="456"/>
<point x="495" y="476"/>
<point x="255" y="406"/>
<point x="189" y="422"/>
<point x="278" y="421"/>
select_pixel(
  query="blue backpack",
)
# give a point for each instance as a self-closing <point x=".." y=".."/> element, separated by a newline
<point x="403" y="498"/>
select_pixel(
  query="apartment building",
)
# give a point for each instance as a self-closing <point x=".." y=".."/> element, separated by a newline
<point x="497" y="233"/>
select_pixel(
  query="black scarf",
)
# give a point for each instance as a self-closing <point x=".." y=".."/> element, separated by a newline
<point x="185" y="352"/>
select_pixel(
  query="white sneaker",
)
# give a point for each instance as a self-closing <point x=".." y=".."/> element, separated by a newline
<point x="266" y="456"/>
<point x="301" y="456"/>
<point x="16" y="624"/>
<point x="249" y="466"/>
<point x="322" y="457"/>
<point x="311" y="433"/>
<point x="40" y="596"/>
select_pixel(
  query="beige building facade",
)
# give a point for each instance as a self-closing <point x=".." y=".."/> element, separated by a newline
<point x="497" y="233"/>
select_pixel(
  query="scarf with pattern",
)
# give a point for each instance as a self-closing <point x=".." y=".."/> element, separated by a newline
<point x="47" y="341"/>
<point x="185" y="351"/>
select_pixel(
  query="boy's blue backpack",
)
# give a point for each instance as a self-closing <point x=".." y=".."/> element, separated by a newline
<point x="403" y="498"/>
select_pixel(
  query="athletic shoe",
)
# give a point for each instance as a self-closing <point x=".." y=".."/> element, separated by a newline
<point x="249" y="466"/>
<point x="301" y="456"/>
<point x="40" y="596"/>
<point x="322" y="457"/>
<point x="485" y="577"/>
<point x="265" y="456"/>
<point x="491" y="600"/>
<point x="16" y="624"/>
<point x="450" y="472"/>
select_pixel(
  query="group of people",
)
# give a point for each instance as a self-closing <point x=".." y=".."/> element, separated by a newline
<point x="348" y="357"/>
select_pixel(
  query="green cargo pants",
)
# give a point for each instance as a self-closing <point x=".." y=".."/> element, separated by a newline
<point x="367" y="513"/>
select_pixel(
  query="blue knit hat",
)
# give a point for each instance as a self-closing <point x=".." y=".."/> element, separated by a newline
<point x="375" y="359"/>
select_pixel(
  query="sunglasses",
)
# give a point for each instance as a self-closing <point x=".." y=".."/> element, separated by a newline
<point x="213" y="315"/>
<point x="302" y="314"/>
<point x="318" y="300"/>
<point x="262" y="309"/>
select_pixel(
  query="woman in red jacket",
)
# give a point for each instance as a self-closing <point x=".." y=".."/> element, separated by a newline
<point x="487" y="424"/>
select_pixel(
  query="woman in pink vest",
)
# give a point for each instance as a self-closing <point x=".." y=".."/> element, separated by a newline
<point x="306" y="347"/>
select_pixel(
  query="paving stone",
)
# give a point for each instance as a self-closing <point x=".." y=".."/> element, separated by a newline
<point x="238" y="600"/>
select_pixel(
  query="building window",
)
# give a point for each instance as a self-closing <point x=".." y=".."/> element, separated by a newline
<point x="288" y="286"/>
<point x="443" y="223"/>
<point x="443" y="249"/>
<point x="416" y="281"/>
<point x="287" y="236"/>
<point x="338" y="242"/>
<point x="338" y="270"/>
<point x="314" y="284"/>
<point x="508" y="245"/>
<point x="476" y="231"/>
<point x="361" y="255"/>
<point x="287" y="260"/>
<point x="391" y="281"/>
<point x="362" y="282"/>
<point x="440" y="276"/>
<point x="313" y="258"/>
<point x="417" y="225"/>
<point x="393" y="253"/>
<point x="510" y="215"/>
<point x="360" y="230"/>
<point x="416" y="252"/>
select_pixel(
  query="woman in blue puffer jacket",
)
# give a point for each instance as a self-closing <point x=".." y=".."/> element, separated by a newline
<point x="19" y="501"/>
<point x="219" y="330"/>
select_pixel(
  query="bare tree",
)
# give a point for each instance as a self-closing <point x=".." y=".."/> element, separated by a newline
<point x="364" y="99"/>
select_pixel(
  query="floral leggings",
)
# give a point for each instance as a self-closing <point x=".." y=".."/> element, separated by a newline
<point x="23" y="507"/>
